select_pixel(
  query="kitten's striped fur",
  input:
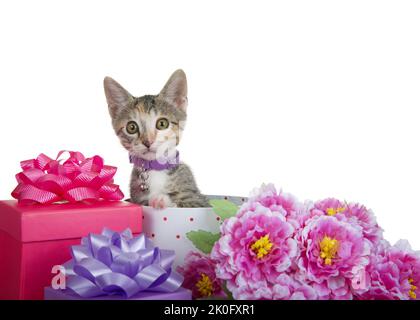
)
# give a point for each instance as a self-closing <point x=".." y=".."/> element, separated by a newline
<point x="172" y="187"/>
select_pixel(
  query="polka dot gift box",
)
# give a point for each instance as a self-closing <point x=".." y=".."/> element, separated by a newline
<point x="169" y="228"/>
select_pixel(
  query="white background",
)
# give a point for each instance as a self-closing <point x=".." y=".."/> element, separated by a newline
<point x="319" y="97"/>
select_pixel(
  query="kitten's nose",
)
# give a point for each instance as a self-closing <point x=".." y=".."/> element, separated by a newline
<point x="147" y="144"/>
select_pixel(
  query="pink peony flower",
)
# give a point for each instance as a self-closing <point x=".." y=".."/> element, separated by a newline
<point x="254" y="249"/>
<point x="278" y="202"/>
<point x="286" y="287"/>
<point x="354" y="213"/>
<point x="334" y="288"/>
<point x="279" y="248"/>
<point x="200" y="276"/>
<point x="394" y="273"/>
<point x="331" y="248"/>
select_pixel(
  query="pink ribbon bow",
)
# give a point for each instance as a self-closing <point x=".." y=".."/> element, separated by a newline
<point x="44" y="180"/>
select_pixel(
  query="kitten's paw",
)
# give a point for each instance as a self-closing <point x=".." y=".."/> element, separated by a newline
<point x="160" y="201"/>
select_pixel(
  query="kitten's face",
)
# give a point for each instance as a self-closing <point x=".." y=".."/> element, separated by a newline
<point x="150" y="126"/>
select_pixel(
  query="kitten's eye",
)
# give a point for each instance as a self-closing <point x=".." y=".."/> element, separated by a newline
<point x="162" y="124"/>
<point x="132" y="127"/>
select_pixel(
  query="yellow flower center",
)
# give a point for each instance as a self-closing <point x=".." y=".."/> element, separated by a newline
<point x="413" y="288"/>
<point x="329" y="248"/>
<point x="334" y="211"/>
<point x="205" y="286"/>
<point x="262" y="246"/>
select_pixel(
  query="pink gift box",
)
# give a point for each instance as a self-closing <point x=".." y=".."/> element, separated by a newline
<point x="180" y="294"/>
<point x="35" y="238"/>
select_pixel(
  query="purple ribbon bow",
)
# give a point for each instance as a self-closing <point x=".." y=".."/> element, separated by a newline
<point x="115" y="263"/>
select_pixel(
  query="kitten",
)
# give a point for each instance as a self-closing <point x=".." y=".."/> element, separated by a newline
<point x="150" y="128"/>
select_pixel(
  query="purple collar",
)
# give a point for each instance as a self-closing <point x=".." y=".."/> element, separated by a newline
<point x="161" y="164"/>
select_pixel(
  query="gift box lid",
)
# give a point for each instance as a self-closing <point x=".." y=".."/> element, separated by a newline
<point x="29" y="223"/>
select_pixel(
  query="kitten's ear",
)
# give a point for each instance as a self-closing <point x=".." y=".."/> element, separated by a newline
<point x="116" y="96"/>
<point x="175" y="90"/>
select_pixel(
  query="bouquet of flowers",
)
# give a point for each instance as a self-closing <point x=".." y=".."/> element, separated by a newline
<point x="275" y="247"/>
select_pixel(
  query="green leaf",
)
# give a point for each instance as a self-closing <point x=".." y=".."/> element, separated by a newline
<point x="223" y="208"/>
<point x="229" y="295"/>
<point x="203" y="240"/>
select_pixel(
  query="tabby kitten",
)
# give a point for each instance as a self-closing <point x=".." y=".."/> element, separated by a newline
<point x="150" y="127"/>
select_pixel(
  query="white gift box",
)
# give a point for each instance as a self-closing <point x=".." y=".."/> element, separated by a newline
<point x="168" y="228"/>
